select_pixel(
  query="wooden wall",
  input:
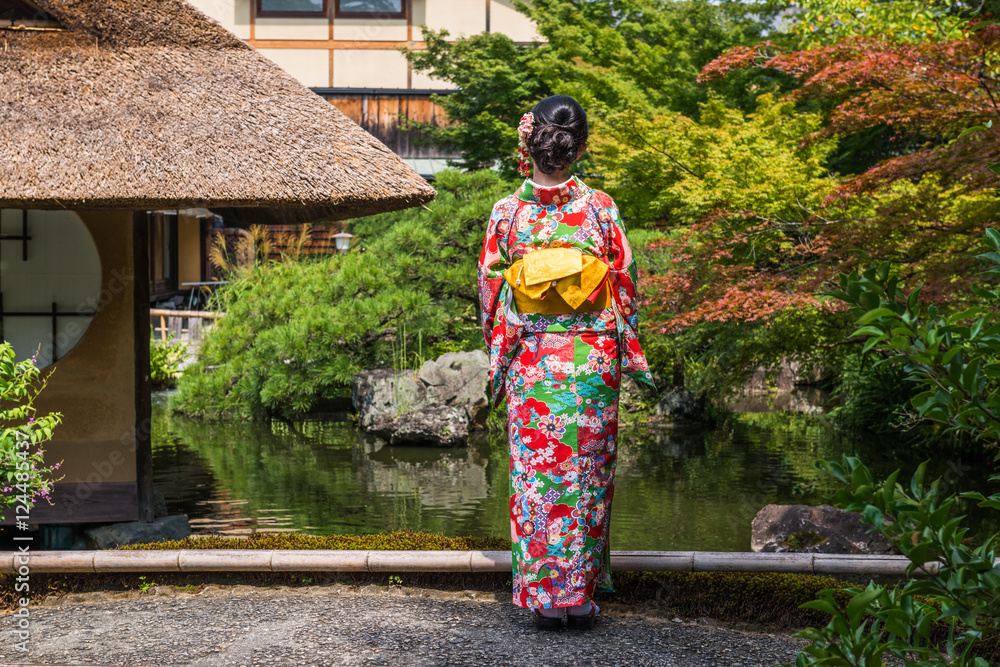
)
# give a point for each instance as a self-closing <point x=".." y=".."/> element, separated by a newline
<point x="379" y="113"/>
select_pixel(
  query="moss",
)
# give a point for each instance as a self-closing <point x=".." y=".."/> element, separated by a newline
<point x="804" y="539"/>
<point x="770" y="599"/>
<point x="401" y="540"/>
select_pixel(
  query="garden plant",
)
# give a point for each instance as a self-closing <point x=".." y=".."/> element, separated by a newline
<point x="296" y="331"/>
<point x="953" y="360"/>
<point x="165" y="358"/>
<point x="26" y="477"/>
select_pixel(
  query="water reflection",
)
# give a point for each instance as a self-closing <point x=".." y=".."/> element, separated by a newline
<point x="676" y="488"/>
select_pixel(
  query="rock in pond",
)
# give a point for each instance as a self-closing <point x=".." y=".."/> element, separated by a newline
<point x="109" y="536"/>
<point x="436" y="405"/>
<point x="822" y="529"/>
<point x="680" y="405"/>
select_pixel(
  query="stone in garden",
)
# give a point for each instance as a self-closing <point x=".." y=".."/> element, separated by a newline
<point x="446" y="426"/>
<point x="822" y="529"/>
<point x="438" y="404"/>
<point x="159" y="504"/>
<point x="680" y="405"/>
<point x="632" y="396"/>
<point x="175" y="527"/>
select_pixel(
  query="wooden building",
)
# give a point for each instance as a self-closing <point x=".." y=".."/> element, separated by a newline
<point x="111" y="109"/>
<point x="348" y="52"/>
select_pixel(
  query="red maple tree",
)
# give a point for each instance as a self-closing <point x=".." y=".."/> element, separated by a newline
<point x="932" y="91"/>
<point x="923" y="209"/>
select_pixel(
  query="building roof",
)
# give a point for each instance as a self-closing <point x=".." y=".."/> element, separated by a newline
<point x="142" y="104"/>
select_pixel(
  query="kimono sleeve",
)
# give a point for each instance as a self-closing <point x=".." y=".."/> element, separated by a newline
<point x="500" y="326"/>
<point x="624" y="278"/>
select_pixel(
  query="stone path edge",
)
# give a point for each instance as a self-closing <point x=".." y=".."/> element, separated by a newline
<point x="281" y="560"/>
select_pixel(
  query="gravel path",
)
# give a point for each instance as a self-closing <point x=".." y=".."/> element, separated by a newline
<point x="341" y="625"/>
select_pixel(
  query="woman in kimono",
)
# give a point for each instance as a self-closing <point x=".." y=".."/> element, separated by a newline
<point x="557" y="288"/>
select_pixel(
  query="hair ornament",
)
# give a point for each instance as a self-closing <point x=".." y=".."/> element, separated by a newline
<point x="524" y="130"/>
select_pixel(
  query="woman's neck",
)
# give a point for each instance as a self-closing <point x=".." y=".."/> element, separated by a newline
<point x="548" y="180"/>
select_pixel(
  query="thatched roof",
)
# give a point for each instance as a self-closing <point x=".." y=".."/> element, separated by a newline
<point x="142" y="104"/>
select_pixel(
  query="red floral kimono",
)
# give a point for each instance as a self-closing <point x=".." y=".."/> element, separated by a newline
<point x="561" y="376"/>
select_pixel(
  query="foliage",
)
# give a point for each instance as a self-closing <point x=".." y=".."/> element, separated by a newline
<point x="26" y="477"/>
<point x="165" y="357"/>
<point x="930" y="91"/>
<point x="952" y="358"/>
<point x="495" y="85"/>
<point x="669" y="168"/>
<point x="874" y="401"/>
<point x="742" y="191"/>
<point x="628" y="54"/>
<point x="757" y="223"/>
<point x="923" y="206"/>
<point x="961" y="589"/>
<point x="827" y="21"/>
<point x="645" y="55"/>
<point x="145" y="586"/>
<point x="250" y="248"/>
<point x="731" y="286"/>
<point x="297" y="331"/>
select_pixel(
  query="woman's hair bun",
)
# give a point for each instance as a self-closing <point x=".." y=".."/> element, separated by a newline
<point x="560" y="129"/>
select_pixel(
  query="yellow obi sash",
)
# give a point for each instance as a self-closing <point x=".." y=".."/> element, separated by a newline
<point x="552" y="281"/>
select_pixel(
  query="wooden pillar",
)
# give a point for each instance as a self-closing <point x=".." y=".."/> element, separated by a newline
<point x="143" y="387"/>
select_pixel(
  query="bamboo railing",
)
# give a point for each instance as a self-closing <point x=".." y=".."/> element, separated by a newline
<point x="245" y="560"/>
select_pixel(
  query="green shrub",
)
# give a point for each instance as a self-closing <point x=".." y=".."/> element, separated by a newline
<point x="874" y="400"/>
<point x="949" y="617"/>
<point x="296" y="332"/>
<point x="952" y="616"/>
<point x="24" y="477"/>
<point x="165" y="357"/>
<point x="952" y="360"/>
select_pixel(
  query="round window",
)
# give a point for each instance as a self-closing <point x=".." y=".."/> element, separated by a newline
<point x="50" y="282"/>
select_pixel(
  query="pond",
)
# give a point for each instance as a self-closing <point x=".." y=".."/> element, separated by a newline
<point x="676" y="488"/>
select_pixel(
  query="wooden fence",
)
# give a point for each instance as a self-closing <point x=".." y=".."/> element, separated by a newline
<point x="186" y="325"/>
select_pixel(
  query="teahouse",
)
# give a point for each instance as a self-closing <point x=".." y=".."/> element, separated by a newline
<point x="110" y="109"/>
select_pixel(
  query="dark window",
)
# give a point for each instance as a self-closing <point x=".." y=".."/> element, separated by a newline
<point x="291" y="8"/>
<point x="162" y="253"/>
<point x="371" y="8"/>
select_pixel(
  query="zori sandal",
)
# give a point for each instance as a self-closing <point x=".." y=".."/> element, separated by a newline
<point x="547" y="622"/>
<point x="583" y="621"/>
